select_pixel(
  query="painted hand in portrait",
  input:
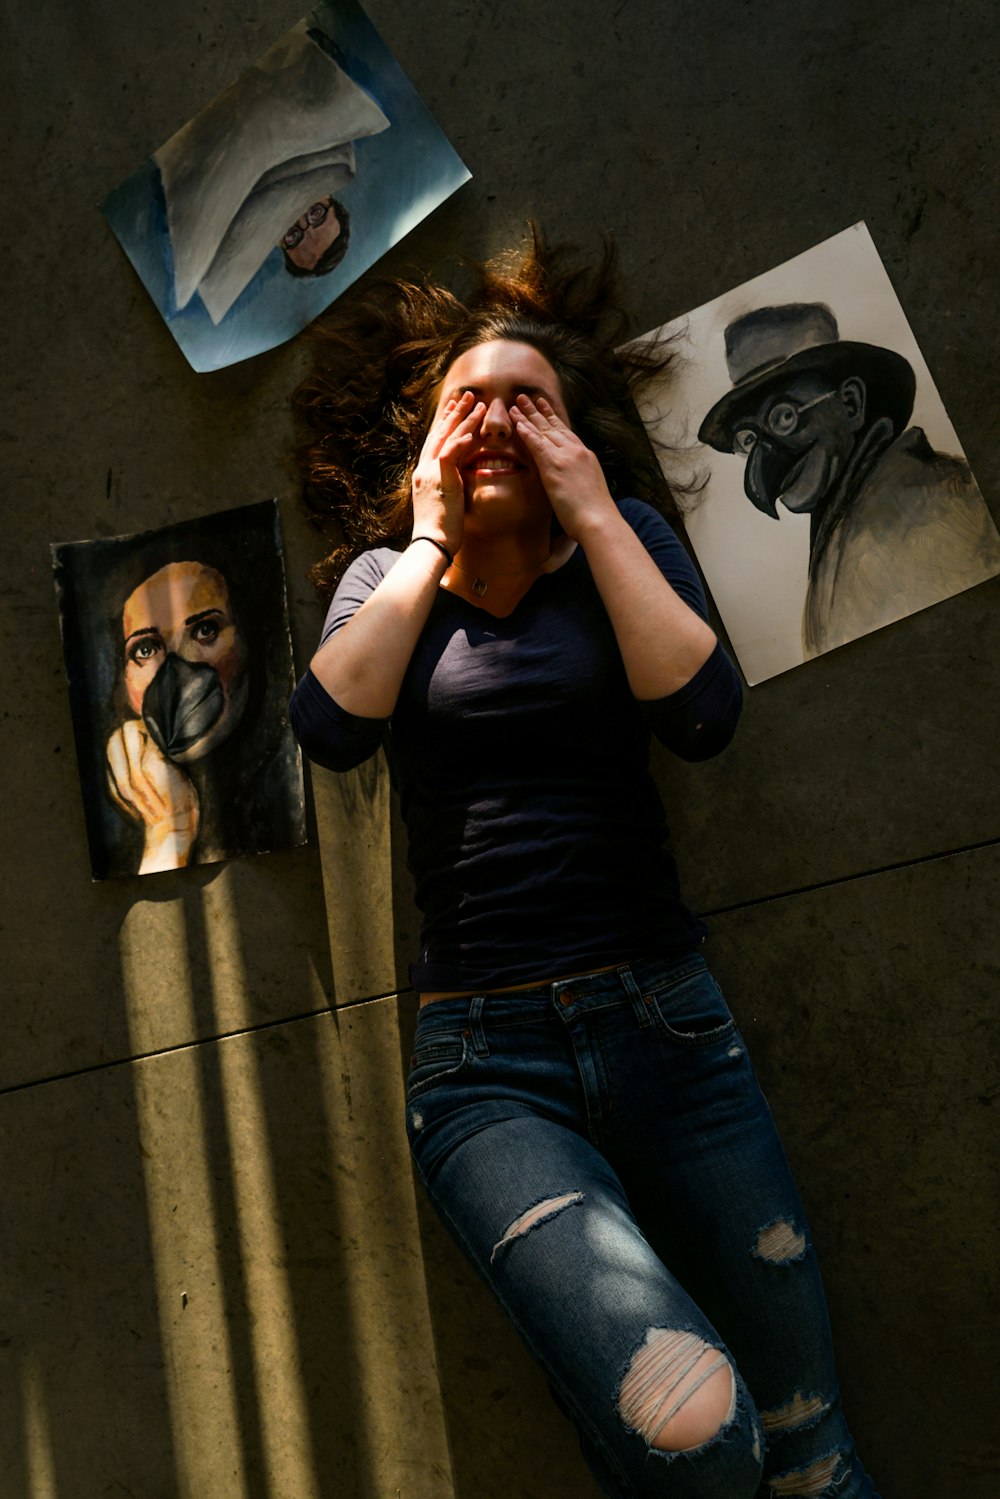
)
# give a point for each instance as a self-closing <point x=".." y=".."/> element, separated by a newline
<point x="180" y="685"/>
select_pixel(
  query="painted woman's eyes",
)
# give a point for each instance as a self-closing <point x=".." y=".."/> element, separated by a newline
<point x="145" y="649"/>
<point x="205" y="631"/>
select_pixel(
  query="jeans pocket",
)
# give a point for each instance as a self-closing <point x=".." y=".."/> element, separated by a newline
<point x="434" y="1061"/>
<point x="691" y="1011"/>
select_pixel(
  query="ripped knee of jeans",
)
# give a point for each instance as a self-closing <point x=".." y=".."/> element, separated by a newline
<point x="678" y="1392"/>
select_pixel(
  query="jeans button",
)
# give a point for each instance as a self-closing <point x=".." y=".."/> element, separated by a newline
<point x="566" y="998"/>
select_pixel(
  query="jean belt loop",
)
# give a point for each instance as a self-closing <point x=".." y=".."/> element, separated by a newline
<point x="476" y="1028"/>
<point x="639" y="1006"/>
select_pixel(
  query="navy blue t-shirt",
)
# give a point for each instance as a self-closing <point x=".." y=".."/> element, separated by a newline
<point x="537" y="838"/>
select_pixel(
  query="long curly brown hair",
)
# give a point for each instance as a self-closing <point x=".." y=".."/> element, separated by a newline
<point x="378" y="365"/>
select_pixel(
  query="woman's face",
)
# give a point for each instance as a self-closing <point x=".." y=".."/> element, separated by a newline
<point x="183" y="611"/>
<point x="499" y="477"/>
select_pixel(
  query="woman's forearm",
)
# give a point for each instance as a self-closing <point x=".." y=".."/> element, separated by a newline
<point x="663" y="641"/>
<point x="363" y="664"/>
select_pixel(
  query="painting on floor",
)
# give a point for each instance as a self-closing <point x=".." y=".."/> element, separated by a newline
<point x="179" y="663"/>
<point x="831" y="494"/>
<point x="264" y="207"/>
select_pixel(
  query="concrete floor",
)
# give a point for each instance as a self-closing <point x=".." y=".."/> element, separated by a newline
<point x="217" y="1277"/>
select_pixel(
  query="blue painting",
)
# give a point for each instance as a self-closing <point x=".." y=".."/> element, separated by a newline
<point x="272" y="200"/>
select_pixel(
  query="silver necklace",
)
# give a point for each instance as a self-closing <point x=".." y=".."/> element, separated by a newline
<point x="480" y="584"/>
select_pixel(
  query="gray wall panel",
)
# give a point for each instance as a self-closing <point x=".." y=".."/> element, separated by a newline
<point x="869" y="1010"/>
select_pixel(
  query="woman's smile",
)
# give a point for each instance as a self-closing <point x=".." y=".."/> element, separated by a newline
<point x="494" y="464"/>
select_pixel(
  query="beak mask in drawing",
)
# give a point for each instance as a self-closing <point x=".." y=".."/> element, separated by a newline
<point x="182" y="705"/>
<point x="762" y="479"/>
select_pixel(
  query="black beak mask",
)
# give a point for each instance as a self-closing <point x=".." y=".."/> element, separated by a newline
<point x="765" y="469"/>
<point x="183" y="701"/>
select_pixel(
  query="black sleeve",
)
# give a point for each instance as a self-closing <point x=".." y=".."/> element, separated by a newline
<point x="328" y="734"/>
<point x="699" y="719"/>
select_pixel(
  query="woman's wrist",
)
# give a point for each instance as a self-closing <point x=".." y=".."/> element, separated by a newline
<point x="599" y="524"/>
<point x="435" y="542"/>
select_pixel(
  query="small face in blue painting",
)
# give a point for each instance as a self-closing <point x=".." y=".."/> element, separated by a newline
<point x="317" y="241"/>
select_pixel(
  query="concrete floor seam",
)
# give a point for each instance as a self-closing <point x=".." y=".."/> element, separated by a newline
<point x="165" y="1051"/>
<point x="60" y="1077"/>
<point x="847" y="879"/>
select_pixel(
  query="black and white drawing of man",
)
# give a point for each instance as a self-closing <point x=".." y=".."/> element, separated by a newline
<point x="260" y="166"/>
<point x="822" y="425"/>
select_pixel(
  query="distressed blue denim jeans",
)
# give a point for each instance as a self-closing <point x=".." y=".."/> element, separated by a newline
<point x="601" y="1150"/>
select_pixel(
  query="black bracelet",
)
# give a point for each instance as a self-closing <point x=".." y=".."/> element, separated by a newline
<point x="434" y="543"/>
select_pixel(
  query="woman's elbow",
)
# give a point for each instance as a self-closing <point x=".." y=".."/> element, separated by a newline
<point x="701" y="741"/>
<point x="694" y="735"/>
<point x="334" y="757"/>
<point x="333" y="751"/>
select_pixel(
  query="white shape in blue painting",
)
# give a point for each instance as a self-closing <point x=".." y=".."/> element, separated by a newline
<point x="271" y="201"/>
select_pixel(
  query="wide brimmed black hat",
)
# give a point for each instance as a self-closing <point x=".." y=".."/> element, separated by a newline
<point x="766" y="346"/>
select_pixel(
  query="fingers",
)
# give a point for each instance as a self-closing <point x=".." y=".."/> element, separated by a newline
<point x="143" y="782"/>
<point x="463" y="433"/>
<point x="118" y="776"/>
<point x="457" y="419"/>
<point x="542" y="433"/>
<point x="540" y="408"/>
<point x="127" y="779"/>
<point x="539" y="413"/>
<point x="527" y="429"/>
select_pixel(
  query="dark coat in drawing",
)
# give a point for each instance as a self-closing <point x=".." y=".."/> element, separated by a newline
<point x="822" y="424"/>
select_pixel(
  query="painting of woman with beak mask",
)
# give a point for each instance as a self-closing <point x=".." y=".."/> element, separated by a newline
<point x="197" y="765"/>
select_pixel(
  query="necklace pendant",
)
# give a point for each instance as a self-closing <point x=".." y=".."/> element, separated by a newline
<point x="479" y="587"/>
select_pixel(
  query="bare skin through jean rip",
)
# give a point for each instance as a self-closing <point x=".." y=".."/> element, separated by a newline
<point x="780" y="1243"/>
<point x="533" y="1216"/>
<point x="806" y="1483"/>
<point x="801" y="1410"/>
<point x="678" y="1392"/>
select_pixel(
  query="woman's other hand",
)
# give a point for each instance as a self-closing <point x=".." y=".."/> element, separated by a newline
<point x="438" y="492"/>
<point x="663" y="641"/>
<point x="153" y="791"/>
<point x="571" y="474"/>
<point x="362" y="665"/>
